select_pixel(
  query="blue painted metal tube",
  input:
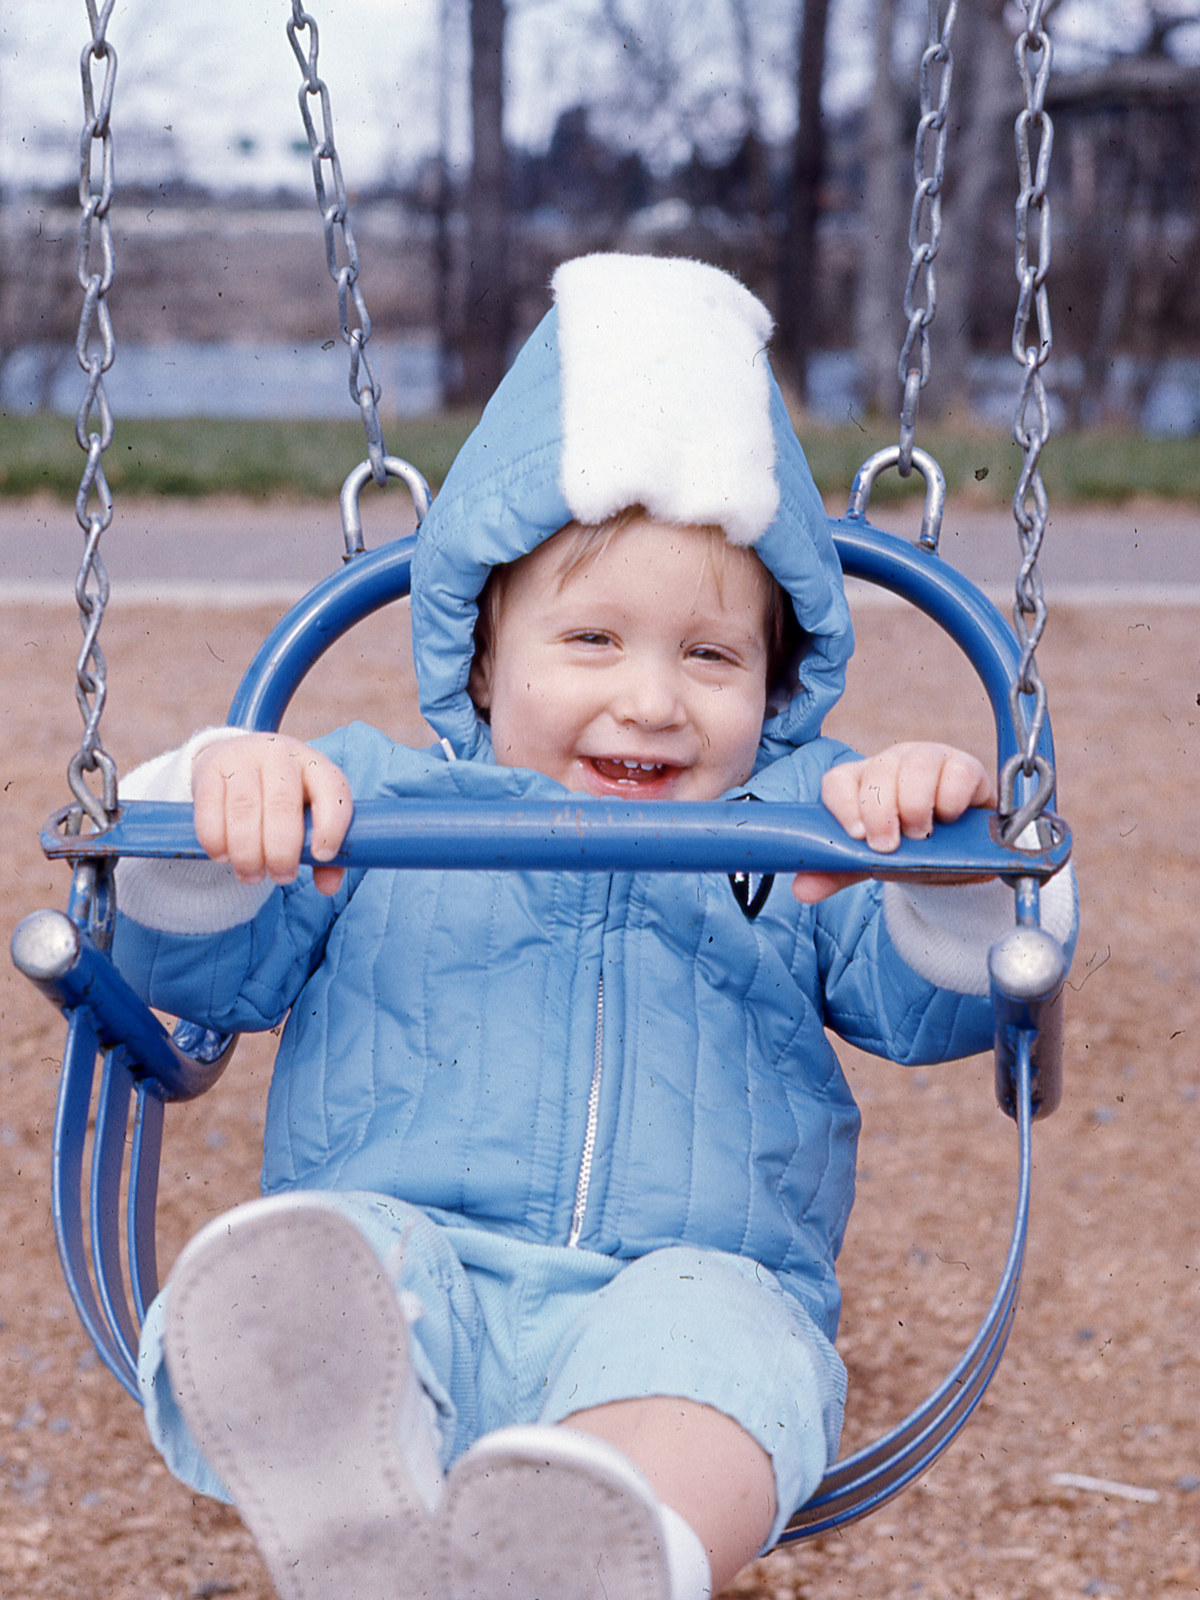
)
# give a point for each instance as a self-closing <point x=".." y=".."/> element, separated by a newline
<point x="379" y="576"/>
<point x="78" y="977"/>
<point x="1028" y="969"/>
<point x="602" y="836"/>
<point x="108" y="1160"/>
<point x="318" y="621"/>
<point x="863" y="1482"/>
<point x="963" y="611"/>
<point x="145" y="1155"/>
<point x="67" y="1190"/>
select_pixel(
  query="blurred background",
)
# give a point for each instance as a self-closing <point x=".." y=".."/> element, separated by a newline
<point x="482" y="141"/>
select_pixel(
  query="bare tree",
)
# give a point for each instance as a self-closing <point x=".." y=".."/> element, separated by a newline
<point x="980" y="164"/>
<point x="751" y="108"/>
<point x="797" y="274"/>
<point x="686" y="79"/>
<point x="1130" y="225"/>
<point x="488" y="312"/>
<point x="39" y="293"/>
<point x="887" y="202"/>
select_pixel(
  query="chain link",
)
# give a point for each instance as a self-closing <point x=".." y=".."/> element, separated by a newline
<point x="95" y="348"/>
<point x="1031" y="424"/>
<point x="341" y="251"/>
<point x="925" y="224"/>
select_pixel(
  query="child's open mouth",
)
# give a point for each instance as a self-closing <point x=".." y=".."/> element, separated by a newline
<point x="641" y="776"/>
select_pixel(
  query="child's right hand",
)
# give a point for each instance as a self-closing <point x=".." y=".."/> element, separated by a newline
<point x="900" y="792"/>
<point x="249" y="795"/>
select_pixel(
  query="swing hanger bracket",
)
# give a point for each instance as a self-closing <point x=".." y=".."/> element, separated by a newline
<point x="935" y="489"/>
<point x="352" y="488"/>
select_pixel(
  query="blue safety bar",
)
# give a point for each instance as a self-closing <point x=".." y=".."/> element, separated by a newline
<point x="144" y="1066"/>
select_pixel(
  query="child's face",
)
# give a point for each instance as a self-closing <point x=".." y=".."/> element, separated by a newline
<point x="640" y="674"/>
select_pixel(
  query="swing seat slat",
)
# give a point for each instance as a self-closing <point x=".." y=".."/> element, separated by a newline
<point x="860" y="1483"/>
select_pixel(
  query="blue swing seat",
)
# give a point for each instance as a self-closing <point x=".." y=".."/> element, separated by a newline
<point x="111" y="1270"/>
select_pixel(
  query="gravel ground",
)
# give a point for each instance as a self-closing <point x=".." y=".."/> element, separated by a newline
<point x="1102" y="1377"/>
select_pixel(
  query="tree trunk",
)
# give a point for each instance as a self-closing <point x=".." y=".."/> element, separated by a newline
<point x="758" y="178"/>
<point x="797" y="276"/>
<point x="980" y="158"/>
<point x="1114" y="277"/>
<point x="887" y="203"/>
<point x="443" y="219"/>
<point x="488" y="313"/>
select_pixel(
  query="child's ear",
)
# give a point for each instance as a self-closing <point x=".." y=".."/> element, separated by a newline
<point x="479" y="680"/>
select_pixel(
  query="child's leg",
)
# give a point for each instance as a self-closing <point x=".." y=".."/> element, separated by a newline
<point x="701" y="1464"/>
<point x="652" y="1499"/>
<point x="536" y="1511"/>
<point x="289" y="1354"/>
<point x="431" y="1287"/>
<point x="716" y="1383"/>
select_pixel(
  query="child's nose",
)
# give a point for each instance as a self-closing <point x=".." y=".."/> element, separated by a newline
<point x="650" y="697"/>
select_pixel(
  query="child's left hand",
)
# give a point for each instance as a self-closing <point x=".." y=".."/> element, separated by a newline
<point x="901" y="791"/>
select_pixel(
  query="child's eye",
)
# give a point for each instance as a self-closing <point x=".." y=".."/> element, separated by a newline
<point x="711" y="652"/>
<point x="593" y="636"/>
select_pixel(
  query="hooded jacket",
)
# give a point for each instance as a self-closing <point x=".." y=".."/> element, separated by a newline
<point x="617" y="1062"/>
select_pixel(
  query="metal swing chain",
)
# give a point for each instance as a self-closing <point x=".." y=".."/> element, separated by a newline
<point x="95" y="348"/>
<point x="925" y="224"/>
<point x="339" y="237"/>
<point x="1031" y="424"/>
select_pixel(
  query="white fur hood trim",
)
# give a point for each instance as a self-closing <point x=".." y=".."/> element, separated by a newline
<point x="665" y="394"/>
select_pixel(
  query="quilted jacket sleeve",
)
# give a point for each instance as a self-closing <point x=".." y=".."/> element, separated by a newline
<point x="904" y="970"/>
<point x="196" y="943"/>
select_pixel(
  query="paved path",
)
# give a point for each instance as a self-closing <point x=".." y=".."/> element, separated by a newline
<point x="224" y="551"/>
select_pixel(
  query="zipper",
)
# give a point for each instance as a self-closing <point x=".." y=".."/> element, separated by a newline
<point x="583" y="1182"/>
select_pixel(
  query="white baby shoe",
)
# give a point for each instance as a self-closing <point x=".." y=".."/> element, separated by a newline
<point x="538" y="1513"/>
<point x="288" y="1353"/>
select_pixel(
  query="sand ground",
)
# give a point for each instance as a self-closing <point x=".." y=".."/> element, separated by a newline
<point x="1102" y="1377"/>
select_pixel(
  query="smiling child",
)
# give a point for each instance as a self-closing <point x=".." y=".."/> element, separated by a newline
<point x="542" y="1297"/>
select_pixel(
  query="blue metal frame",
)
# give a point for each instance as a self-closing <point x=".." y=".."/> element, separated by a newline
<point x="379" y="576"/>
<point x="141" y="1059"/>
<point x="610" y="836"/>
<point x="600" y="836"/>
<point x="106" y="1020"/>
<point x="876" y="1474"/>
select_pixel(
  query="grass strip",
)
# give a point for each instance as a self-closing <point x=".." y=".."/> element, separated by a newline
<point x="308" y="459"/>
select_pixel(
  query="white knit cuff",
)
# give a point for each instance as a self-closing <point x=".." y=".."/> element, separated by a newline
<point x="181" y="897"/>
<point x="944" y="931"/>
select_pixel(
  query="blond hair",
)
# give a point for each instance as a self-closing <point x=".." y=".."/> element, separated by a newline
<point x="585" y="542"/>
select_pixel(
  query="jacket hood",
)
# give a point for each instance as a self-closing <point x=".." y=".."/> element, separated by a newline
<point x="647" y="383"/>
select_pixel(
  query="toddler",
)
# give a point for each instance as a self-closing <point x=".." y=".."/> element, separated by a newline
<point x="541" y="1297"/>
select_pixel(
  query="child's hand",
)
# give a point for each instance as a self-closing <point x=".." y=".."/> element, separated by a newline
<point x="249" y="795"/>
<point x="902" y="790"/>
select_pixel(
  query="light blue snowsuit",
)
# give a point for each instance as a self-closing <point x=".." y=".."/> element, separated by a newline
<point x="598" y="1112"/>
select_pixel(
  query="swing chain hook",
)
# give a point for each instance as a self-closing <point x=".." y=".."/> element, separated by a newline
<point x="93" y="503"/>
<point x="341" y="251"/>
<point x="925" y="223"/>
<point x="1016" y="815"/>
